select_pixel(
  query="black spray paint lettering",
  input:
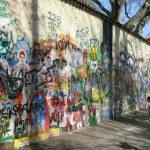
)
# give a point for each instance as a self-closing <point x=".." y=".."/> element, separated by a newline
<point x="4" y="126"/>
<point x="31" y="77"/>
<point x="34" y="77"/>
<point x="21" y="126"/>
<point x="8" y="112"/>
<point x="57" y="116"/>
<point x="54" y="22"/>
<point x="83" y="33"/>
<point x="15" y="84"/>
<point x="12" y="111"/>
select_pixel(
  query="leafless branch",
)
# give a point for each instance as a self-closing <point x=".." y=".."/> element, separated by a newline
<point x="102" y="7"/>
<point x="126" y="12"/>
<point x="142" y="23"/>
<point x="135" y="20"/>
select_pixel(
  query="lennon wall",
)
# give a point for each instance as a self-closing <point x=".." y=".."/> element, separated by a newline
<point x="54" y="74"/>
<point x="131" y="72"/>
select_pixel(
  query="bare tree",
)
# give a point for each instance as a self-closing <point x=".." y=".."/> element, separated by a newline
<point x="135" y="22"/>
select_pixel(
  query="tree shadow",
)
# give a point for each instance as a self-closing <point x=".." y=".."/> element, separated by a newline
<point x="125" y="145"/>
<point x="127" y="119"/>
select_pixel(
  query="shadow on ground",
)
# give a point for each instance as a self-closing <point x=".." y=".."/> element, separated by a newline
<point x="129" y="132"/>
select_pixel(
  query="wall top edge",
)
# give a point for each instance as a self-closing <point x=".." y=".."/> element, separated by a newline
<point x="86" y="5"/>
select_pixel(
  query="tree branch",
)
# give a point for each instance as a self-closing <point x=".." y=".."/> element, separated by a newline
<point x="135" y="20"/>
<point x="116" y="8"/>
<point x="102" y="7"/>
<point x="126" y="12"/>
<point x="142" y="23"/>
<point x="111" y="2"/>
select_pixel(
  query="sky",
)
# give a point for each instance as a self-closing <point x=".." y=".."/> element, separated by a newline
<point x="133" y="8"/>
<point x="146" y="31"/>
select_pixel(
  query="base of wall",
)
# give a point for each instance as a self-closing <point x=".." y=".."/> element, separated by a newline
<point x="27" y="140"/>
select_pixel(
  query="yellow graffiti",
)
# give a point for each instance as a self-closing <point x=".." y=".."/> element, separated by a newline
<point x="62" y="85"/>
<point x="95" y="95"/>
<point x="94" y="50"/>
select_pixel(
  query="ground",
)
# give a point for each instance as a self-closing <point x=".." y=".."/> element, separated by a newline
<point x="130" y="132"/>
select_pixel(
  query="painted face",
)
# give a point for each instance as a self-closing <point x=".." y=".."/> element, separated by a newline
<point x="22" y="55"/>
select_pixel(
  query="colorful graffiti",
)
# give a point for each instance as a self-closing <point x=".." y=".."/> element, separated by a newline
<point x="50" y="83"/>
<point x="59" y="79"/>
<point x="130" y="82"/>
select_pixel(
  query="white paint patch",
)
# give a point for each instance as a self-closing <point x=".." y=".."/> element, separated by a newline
<point x="4" y="21"/>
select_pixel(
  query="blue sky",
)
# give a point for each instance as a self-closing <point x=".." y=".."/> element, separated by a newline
<point x="146" y="31"/>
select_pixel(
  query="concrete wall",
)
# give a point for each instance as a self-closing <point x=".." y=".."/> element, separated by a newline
<point x="55" y="70"/>
<point x="51" y="55"/>
<point x="131" y="59"/>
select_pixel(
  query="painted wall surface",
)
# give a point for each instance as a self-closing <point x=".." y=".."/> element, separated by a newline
<point x="55" y="73"/>
<point x="131" y="61"/>
<point x="53" y="70"/>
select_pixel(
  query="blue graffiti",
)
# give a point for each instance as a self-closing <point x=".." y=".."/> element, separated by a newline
<point x="38" y="111"/>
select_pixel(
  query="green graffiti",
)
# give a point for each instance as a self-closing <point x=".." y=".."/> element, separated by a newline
<point x="93" y="120"/>
<point x="15" y="22"/>
<point x="5" y="15"/>
<point x="4" y="3"/>
<point x="8" y="138"/>
<point x="2" y="9"/>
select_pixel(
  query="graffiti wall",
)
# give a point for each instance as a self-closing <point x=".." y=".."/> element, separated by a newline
<point x="54" y="70"/>
<point x="131" y="59"/>
<point x="57" y="73"/>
